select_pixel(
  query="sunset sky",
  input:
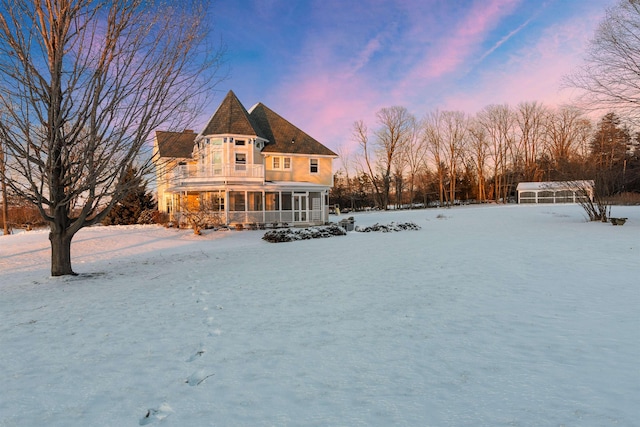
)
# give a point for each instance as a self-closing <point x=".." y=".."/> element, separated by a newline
<point x="325" y="64"/>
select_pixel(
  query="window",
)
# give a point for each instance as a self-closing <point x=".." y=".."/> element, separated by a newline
<point x="241" y="161"/>
<point x="281" y="163"/>
<point x="240" y="142"/>
<point x="217" y="201"/>
<point x="313" y="165"/>
<point x="216" y="160"/>
<point x="254" y="199"/>
<point x="237" y="201"/>
<point x="272" y="201"/>
<point x="287" y="205"/>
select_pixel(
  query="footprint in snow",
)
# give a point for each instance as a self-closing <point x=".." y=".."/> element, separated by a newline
<point x="154" y="414"/>
<point x="198" y="378"/>
<point x="196" y="355"/>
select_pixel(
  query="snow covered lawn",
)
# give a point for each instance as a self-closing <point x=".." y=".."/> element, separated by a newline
<point x="486" y="316"/>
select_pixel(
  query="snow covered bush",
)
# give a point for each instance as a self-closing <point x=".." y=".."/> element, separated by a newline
<point x="389" y="227"/>
<point x="290" y="235"/>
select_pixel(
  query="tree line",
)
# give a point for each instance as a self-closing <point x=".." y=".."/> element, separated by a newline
<point x="447" y="157"/>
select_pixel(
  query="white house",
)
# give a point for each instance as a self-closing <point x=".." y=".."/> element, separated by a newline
<point x="244" y="167"/>
<point x="554" y="191"/>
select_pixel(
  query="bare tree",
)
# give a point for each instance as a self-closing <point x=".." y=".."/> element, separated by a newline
<point x="396" y="125"/>
<point x="478" y="151"/>
<point x="415" y="154"/>
<point x="454" y="132"/>
<point x="431" y="132"/>
<point x="83" y="85"/>
<point x="380" y="156"/>
<point x="531" y="118"/>
<point x="361" y="136"/>
<point x="564" y="133"/>
<point x="498" y="123"/>
<point x="610" y="77"/>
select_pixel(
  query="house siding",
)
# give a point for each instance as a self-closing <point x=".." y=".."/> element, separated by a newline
<point x="241" y="178"/>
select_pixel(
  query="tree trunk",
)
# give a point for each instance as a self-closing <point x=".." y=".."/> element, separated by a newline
<point x="5" y="207"/>
<point x="5" y="199"/>
<point x="60" y="253"/>
<point x="60" y="237"/>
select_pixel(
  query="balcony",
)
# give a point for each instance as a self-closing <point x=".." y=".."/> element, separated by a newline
<point x="196" y="175"/>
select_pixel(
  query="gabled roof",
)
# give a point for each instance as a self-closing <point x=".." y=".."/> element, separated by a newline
<point x="175" y="144"/>
<point x="555" y="185"/>
<point x="283" y="136"/>
<point x="232" y="118"/>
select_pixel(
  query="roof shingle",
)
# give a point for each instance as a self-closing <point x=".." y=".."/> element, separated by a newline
<point x="176" y="144"/>
<point x="283" y="136"/>
<point x="232" y="118"/>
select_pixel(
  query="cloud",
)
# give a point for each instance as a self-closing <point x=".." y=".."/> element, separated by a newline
<point x="532" y="73"/>
<point x="328" y="89"/>
<point x="504" y="39"/>
<point x="423" y="59"/>
<point x="452" y="51"/>
<point x="365" y="55"/>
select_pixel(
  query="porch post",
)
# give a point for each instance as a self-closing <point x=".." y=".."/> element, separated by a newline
<point x="226" y="206"/>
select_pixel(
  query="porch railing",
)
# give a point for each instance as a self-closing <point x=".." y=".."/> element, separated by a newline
<point x="199" y="173"/>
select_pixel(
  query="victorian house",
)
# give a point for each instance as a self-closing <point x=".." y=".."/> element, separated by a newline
<point x="244" y="167"/>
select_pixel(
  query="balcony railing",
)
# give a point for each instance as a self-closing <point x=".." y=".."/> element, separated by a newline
<point x="189" y="174"/>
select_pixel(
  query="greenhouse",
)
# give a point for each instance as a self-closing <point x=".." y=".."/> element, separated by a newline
<point x="555" y="191"/>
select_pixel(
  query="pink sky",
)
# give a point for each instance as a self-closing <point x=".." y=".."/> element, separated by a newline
<point x="340" y="62"/>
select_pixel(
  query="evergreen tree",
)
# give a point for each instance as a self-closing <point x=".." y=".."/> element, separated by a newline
<point x="609" y="144"/>
<point x="608" y="154"/>
<point x="138" y="200"/>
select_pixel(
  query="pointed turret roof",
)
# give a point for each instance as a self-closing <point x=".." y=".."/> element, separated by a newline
<point x="283" y="136"/>
<point x="232" y="118"/>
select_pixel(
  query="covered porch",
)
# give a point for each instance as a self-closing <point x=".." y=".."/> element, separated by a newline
<point x="267" y="204"/>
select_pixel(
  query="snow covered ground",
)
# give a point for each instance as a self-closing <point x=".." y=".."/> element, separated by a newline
<point x="487" y="316"/>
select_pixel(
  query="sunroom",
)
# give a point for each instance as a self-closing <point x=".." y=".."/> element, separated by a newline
<point x="292" y="205"/>
<point x="554" y="192"/>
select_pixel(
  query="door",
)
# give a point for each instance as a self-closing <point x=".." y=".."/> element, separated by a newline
<point x="299" y="208"/>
